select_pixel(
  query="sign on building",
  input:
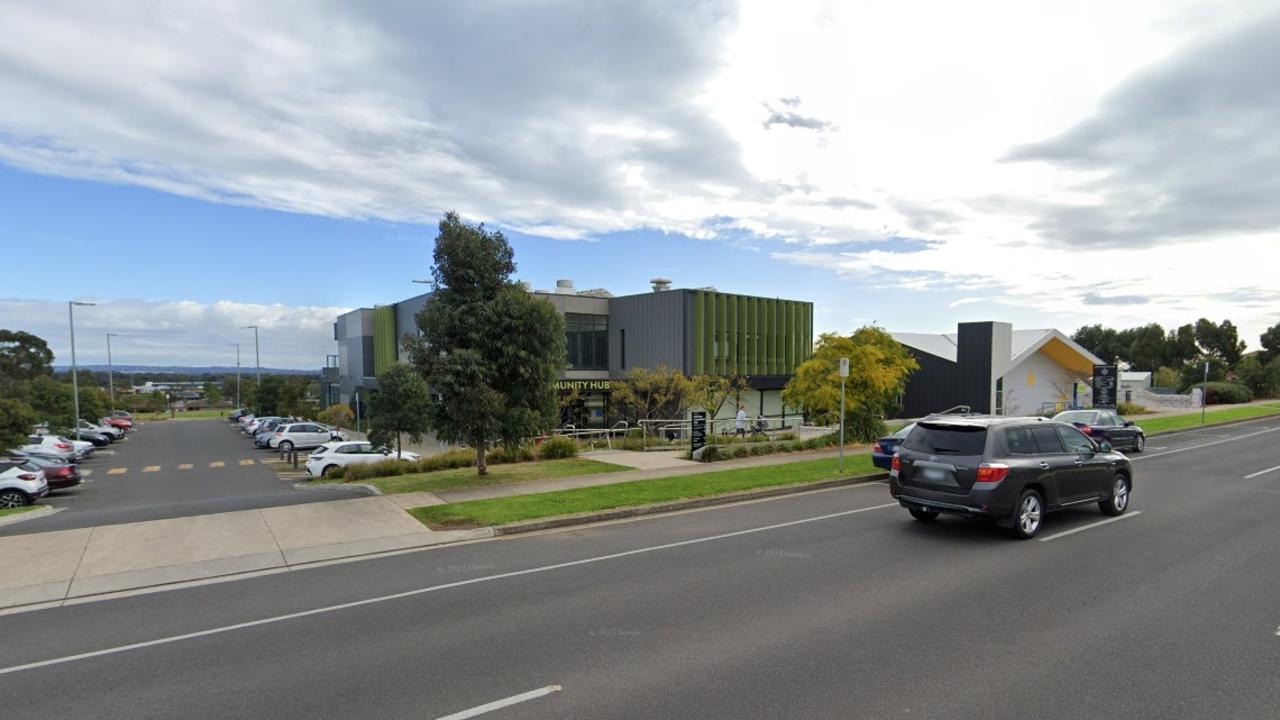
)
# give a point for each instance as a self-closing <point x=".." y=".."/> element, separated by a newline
<point x="698" y="432"/>
<point x="1105" y="381"/>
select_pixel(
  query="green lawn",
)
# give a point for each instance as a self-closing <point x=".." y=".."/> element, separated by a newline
<point x="498" y="475"/>
<point x="501" y="511"/>
<point x="1212" y="417"/>
<point x="17" y="510"/>
<point x="187" y="415"/>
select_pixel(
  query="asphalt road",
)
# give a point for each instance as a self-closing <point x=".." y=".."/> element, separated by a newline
<point x="171" y="469"/>
<point x="831" y="604"/>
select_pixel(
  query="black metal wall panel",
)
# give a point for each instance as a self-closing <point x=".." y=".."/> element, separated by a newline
<point x="655" y="331"/>
<point x="973" y="355"/>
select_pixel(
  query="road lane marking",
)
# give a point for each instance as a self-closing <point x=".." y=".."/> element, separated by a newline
<point x="505" y="702"/>
<point x="249" y="461"/>
<point x="184" y="466"/>
<point x="86" y="472"/>
<point x="117" y="471"/>
<point x="151" y="468"/>
<point x="217" y="464"/>
<point x="1262" y="472"/>
<point x="429" y="589"/>
<point x="1090" y="526"/>
<point x="106" y="452"/>
<point x="1204" y="445"/>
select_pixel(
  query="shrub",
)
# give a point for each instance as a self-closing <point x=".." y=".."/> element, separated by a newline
<point x="1125" y="408"/>
<point x="337" y="415"/>
<point x="387" y="468"/>
<point x="1165" y="377"/>
<point x="1224" y="393"/>
<point x="555" y="448"/>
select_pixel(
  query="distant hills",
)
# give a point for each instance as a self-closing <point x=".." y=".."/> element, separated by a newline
<point x="245" y="370"/>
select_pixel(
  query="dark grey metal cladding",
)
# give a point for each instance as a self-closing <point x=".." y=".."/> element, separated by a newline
<point x="935" y="386"/>
<point x="655" y="327"/>
<point x="940" y="384"/>
<point x="973" y="355"/>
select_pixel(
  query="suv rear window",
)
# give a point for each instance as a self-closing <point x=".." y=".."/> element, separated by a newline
<point x="947" y="440"/>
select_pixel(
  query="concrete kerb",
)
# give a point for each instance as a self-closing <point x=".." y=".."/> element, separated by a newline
<point x="39" y="512"/>
<point x="656" y="509"/>
<point x="1211" y="426"/>
<point x="306" y="486"/>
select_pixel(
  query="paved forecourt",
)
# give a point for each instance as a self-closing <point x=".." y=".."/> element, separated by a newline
<point x="825" y="604"/>
<point x="171" y="469"/>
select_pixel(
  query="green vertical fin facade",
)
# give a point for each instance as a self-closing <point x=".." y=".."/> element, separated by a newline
<point x="749" y="335"/>
<point x="384" y="338"/>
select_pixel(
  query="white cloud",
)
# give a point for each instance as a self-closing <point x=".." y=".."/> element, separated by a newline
<point x="178" y="333"/>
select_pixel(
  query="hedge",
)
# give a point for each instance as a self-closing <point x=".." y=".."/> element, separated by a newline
<point x="1225" y="393"/>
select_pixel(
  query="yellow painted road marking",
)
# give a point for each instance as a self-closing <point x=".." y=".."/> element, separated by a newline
<point x="151" y="468"/>
<point x="184" y="466"/>
<point x="117" y="471"/>
<point x="217" y="463"/>
<point x="249" y="461"/>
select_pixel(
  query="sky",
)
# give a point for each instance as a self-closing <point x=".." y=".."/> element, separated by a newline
<point x="193" y="168"/>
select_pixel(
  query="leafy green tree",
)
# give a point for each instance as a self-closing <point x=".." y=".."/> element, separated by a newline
<point x="488" y="349"/>
<point x="52" y="401"/>
<point x="23" y="357"/>
<point x="1148" y="350"/>
<point x="1271" y="343"/>
<point x="1181" y="345"/>
<point x="338" y="415"/>
<point x="1272" y="376"/>
<point x="266" y="396"/>
<point x="212" y="392"/>
<point x="878" y="370"/>
<point x="1251" y="373"/>
<point x="1221" y="340"/>
<point x="711" y="392"/>
<point x="401" y="405"/>
<point x="295" y="397"/>
<point x="1193" y="372"/>
<point x="658" y="393"/>
<point x="1165" y="377"/>
<point x="16" y="421"/>
<point x="1104" y="342"/>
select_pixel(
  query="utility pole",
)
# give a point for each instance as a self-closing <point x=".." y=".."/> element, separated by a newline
<point x="844" y="373"/>
<point x="111" y="381"/>
<point x="257" y="356"/>
<point x="75" y="382"/>
<point x="1204" y="390"/>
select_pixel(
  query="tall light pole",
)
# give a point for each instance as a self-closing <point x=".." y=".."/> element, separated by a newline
<point x="111" y="382"/>
<point x="257" y="357"/>
<point x="844" y="373"/>
<point x="237" y="345"/>
<point x="75" y="382"/>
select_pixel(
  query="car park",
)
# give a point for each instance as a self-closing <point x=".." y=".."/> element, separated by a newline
<point x="883" y="449"/>
<point x="302" y="435"/>
<point x="96" y="438"/>
<point x="20" y="486"/>
<point x="111" y="431"/>
<point x="1106" y="425"/>
<point x="59" y="475"/>
<point x="124" y="424"/>
<point x="51" y="446"/>
<point x="262" y="438"/>
<point x="335" y="456"/>
<point x="1011" y="470"/>
<point x="235" y="415"/>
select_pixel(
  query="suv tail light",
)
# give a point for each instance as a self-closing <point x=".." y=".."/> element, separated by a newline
<point x="1086" y="429"/>
<point x="896" y="465"/>
<point x="63" y="446"/>
<point x="990" y="475"/>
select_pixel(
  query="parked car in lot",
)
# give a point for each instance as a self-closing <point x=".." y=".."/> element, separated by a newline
<point x="251" y="428"/>
<point x="1106" y="425"/>
<point x="332" y="457"/>
<point x="1012" y="470"/>
<point x="19" y="486"/>
<point x="124" y="424"/>
<point x="111" y="431"/>
<point x="235" y="415"/>
<point x="262" y="437"/>
<point x="54" y="446"/>
<point x="97" y="439"/>
<point x="59" y="475"/>
<point x="884" y="448"/>
<point x="303" y="435"/>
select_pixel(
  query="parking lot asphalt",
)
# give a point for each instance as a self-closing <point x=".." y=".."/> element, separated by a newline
<point x="831" y="604"/>
<point x="171" y="469"/>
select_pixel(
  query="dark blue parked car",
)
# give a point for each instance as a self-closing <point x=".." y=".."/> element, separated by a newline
<point x="1106" y="425"/>
<point x="884" y="448"/>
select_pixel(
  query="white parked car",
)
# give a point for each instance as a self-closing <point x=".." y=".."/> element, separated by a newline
<point x="19" y="486"/>
<point x="251" y="427"/>
<point x="303" y="435"/>
<point x="102" y="428"/>
<point x="57" y="444"/>
<point x="337" y="455"/>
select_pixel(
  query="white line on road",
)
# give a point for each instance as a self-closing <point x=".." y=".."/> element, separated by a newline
<point x="505" y="702"/>
<point x="1205" y="445"/>
<point x="428" y="589"/>
<point x="1262" y="472"/>
<point x="1090" y="526"/>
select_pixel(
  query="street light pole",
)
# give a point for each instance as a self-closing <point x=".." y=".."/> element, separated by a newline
<point x="1204" y="390"/>
<point x="237" y="374"/>
<point x="844" y="373"/>
<point x="75" y="381"/>
<point x="111" y="381"/>
<point x="257" y="356"/>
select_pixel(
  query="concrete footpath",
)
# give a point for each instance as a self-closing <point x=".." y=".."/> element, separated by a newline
<point x="52" y="567"/>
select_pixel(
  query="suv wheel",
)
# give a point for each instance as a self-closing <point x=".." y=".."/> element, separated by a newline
<point x="1118" y="501"/>
<point x="286" y="446"/>
<point x="1028" y="515"/>
<point x="329" y="471"/>
<point x="923" y="515"/>
<point x="1140" y="443"/>
<point x="13" y="499"/>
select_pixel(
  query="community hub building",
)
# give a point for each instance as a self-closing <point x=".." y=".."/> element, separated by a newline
<point x="696" y="331"/>
<point x="995" y="369"/>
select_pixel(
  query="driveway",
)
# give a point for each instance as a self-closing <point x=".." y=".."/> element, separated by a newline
<point x="170" y="469"/>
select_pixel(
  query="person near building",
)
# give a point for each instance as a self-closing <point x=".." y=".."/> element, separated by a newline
<point x="741" y="423"/>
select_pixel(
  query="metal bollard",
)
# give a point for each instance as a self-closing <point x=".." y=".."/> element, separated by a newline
<point x="293" y="457"/>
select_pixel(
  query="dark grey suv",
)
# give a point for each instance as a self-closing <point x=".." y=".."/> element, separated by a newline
<point x="1012" y="470"/>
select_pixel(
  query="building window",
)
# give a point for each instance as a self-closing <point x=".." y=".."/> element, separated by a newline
<point x="587" y="341"/>
<point x="622" y="347"/>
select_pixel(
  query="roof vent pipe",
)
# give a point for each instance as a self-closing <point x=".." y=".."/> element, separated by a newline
<point x="661" y="284"/>
<point x="564" y="287"/>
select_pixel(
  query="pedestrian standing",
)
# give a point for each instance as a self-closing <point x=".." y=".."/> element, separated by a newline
<point x="741" y="422"/>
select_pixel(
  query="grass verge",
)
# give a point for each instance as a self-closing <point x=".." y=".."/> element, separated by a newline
<point x="184" y="415"/>
<point x="17" y="511"/>
<point x="498" y="475"/>
<point x="1212" y="417"/>
<point x="502" y="511"/>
